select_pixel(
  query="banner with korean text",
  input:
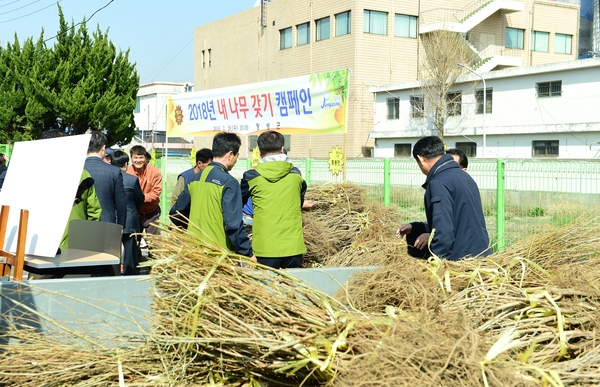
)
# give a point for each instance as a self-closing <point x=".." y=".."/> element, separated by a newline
<point x="309" y="104"/>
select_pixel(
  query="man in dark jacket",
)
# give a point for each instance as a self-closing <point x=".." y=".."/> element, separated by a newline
<point x="203" y="157"/>
<point x="452" y="206"/>
<point x="107" y="180"/>
<point x="213" y="201"/>
<point x="135" y="199"/>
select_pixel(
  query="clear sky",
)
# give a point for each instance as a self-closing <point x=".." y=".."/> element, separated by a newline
<point x="158" y="33"/>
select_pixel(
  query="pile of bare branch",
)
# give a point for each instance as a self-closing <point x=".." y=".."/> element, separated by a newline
<point x="538" y="303"/>
<point x="213" y="317"/>
<point x="343" y="229"/>
<point x="213" y="322"/>
<point x="42" y="360"/>
<point x="528" y="316"/>
<point x="425" y="349"/>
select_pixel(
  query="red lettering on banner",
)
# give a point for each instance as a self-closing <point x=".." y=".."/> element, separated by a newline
<point x="221" y="105"/>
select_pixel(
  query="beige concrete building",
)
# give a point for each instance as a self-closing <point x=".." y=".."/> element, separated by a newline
<point x="379" y="41"/>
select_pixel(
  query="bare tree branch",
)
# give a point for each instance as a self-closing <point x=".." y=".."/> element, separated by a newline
<point x="442" y="52"/>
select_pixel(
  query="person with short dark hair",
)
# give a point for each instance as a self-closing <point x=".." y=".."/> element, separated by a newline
<point x="460" y="157"/>
<point x="108" y="155"/>
<point x="107" y="180"/>
<point x="452" y="206"/>
<point x="203" y="157"/>
<point x="277" y="190"/>
<point x="150" y="180"/>
<point x="212" y="201"/>
<point x="135" y="199"/>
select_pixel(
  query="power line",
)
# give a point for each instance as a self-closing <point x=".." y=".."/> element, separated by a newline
<point x="16" y="1"/>
<point x="29" y="14"/>
<point x="16" y="9"/>
<point x="86" y="20"/>
<point x="162" y="67"/>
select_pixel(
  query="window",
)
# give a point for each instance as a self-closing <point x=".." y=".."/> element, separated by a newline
<point x="562" y="44"/>
<point x="417" y="106"/>
<point x="322" y="28"/>
<point x="342" y="23"/>
<point x="488" y="101"/>
<point x="252" y="142"/>
<point x="402" y="150"/>
<point x="206" y="58"/>
<point x="454" y="107"/>
<point x="405" y="26"/>
<point x="545" y="148"/>
<point x="514" y="38"/>
<point x="549" y="89"/>
<point x="539" y="41"/>
<point x="470" y="148"/>
<point x="137" y="105"/>
<point x="393" y="108"/>
<point x="375" y="22"/>
<point x="303" y="33"/>
<point x="285" y="38"/>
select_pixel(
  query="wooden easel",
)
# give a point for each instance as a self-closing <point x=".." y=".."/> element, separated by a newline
<point x="8" y="259"/>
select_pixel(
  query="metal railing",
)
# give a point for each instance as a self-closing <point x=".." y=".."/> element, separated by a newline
<point x="519" y="196"/>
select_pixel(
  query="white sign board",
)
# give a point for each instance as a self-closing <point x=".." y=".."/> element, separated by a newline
<point x="43" y="177"/>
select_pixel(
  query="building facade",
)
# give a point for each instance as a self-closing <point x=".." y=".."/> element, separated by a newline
<point x="543" y="111"/>
<point x="379" y="41"/>
<point x="150" y="110"/>
<point x="150" y="118"/>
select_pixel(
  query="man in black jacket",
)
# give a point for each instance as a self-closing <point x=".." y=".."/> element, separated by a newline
<point x="452" y="206"/>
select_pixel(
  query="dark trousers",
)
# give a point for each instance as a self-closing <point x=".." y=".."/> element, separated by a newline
<point x="147" y="220"/>
<point x="131" y="258"/>
<point x="290" y="262"/>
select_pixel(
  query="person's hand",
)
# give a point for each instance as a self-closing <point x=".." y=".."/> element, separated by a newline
<point x="403" y="230"/>
<point x="307" y="205"/>
<point x="422" y="241"/>
<point x="252" y="260"/>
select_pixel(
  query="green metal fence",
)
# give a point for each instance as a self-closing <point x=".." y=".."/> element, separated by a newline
<point x="519" y="197"/>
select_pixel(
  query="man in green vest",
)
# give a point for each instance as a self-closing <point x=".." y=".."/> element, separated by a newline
<point x="213" y="201"/>
<point x="277" y="191"/>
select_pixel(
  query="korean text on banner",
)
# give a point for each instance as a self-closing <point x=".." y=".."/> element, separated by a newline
<point x="309" y="104"/>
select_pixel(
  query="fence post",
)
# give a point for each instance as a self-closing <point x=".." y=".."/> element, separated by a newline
<point x="308" y="168"/>
<point x="500" y="205"/>
<point x="387" y="187"/>
<point x="164" y="212"/>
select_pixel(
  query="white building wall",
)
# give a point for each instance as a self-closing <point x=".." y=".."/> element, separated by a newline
<point x="152" y="102"/>
<point x="513" y="146"/>
<point x="518" y="116"/>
